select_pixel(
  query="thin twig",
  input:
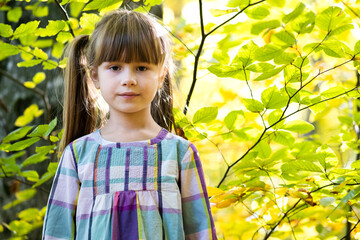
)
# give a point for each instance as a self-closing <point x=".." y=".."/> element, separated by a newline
<point x="352" y="229"/>
<point x="35" y="89"/>
<point x="283" y="217"/>
<point x="66" y="16"/>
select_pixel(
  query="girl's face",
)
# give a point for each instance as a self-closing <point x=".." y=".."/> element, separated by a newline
<point x="128" y="87"/>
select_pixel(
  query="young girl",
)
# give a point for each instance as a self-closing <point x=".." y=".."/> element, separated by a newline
<point x="111" y="183"/>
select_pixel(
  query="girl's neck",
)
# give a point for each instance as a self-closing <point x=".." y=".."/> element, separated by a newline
<point x="129" y="128"/>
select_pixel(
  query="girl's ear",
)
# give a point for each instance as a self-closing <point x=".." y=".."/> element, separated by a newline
<point x="95" y="77"/>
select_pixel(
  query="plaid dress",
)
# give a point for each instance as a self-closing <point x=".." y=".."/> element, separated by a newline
<point x="140" y="190"/>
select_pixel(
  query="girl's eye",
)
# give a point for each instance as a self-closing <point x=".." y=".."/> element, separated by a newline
<point x="114" y="68"/>
<point x="141" y="68"/>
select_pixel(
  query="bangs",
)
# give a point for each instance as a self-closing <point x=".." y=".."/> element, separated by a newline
<point x="130" y="39"/>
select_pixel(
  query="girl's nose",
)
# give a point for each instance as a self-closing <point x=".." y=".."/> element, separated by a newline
<point x="128" y="78"/>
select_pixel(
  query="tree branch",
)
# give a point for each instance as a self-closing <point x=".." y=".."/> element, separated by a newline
<point x="35" y="89"/>
<point x="266" y="129"/>
<point x="283" y="217"/>
<point x="203" y="38"/>
<point x="66" y="16"/>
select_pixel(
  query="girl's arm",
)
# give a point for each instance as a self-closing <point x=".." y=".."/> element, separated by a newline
<point x="198" y="221"/>
<point x="59" y="219"/>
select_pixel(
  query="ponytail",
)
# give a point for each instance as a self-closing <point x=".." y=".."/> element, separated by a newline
<point x="162" y="106"/>
<point x="80" y="114"/>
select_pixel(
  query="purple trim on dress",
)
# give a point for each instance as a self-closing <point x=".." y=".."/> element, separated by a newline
<point x="61" y="204"/>
<point x="107" y="171"/>
<point x="127" y="163"/>
<point x="203" y="187"/>
<point x="193" y="198"/>
<point x="145" y="168"/>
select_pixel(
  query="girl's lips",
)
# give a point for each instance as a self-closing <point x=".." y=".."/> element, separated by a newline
<point x="129" y="95"/>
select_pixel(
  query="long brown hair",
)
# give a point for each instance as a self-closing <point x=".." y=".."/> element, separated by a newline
<point x="124" y="36"/>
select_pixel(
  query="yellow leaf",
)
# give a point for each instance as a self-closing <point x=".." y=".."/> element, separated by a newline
<point x="30" y="113"/>
<point x="212" y="191"/>
<point x="29" y="84"/>
<point x="226" y="203"/>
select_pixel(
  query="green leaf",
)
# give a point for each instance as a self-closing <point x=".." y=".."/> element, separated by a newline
<point x="328" y="19"/>
<point x="14" y="14"/>
<point x="350" y="195"/>
<point x="180" y="119"/>
<point x="45" y="149"/>
<point x="303" y="23"/>
<point x="298" y="126"/>
<point x="283" y="38"/>
<point x="101" y="4"/>
<point x="7" y="50"/>
<point x="17" y="134"/>
<point x="253" y="105"/>
<point x="263" y="149"/>
<point x="41" y="11"/>
<point x="234" y="119"/>
<point x="283" y="137"/>
<point x="341" y="29"/>
<point x="357" y="48"/>
<point x="246" y="54"/>
<point x="53" y="28"/>
<point x="268" y="52"/>
<point x="31" y="175"/>
<point x="333" y="49"/>
<point x="260" y="67"/>
<point x="273" y="99"/>
<point x="257" y="12"/>
<point x="64" y="37"/>
<point x="333" y="92"/>
<point x="43" y="130"/>
<point x="292" y="74"/>
<point x="294" y="14"/>
<point x="258" y="27"/>
<point x="40" y="54"/>
<point x="277" y="3"/>
<point x="326" y="157"/>
<point x="21" y="145"/>
<point x="233" y="71"/>
<point x="29" y="63"/>
<point x="26" y="28"/>
<point x="21" y="197"/>
<point x="34" y="159"/>
<point x="48" y="175"/>
<point x="21" y="228"/>
<point x="268" y="74"/>
<point x="285" y="58"/>
<point x="5" y="30"/>
<point x="300" y="165"/>
<point x="88" y="22"/>
<point x="29" y="214"/>
<point x="274" y="117"/>
<point x="221" y="56"/>
<point x="205" y="115"/>
<point x="49" y="64"/>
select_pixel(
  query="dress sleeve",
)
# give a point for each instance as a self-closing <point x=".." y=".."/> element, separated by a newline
<point x="198" y="221"/>
<point x="59" y="219"/>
